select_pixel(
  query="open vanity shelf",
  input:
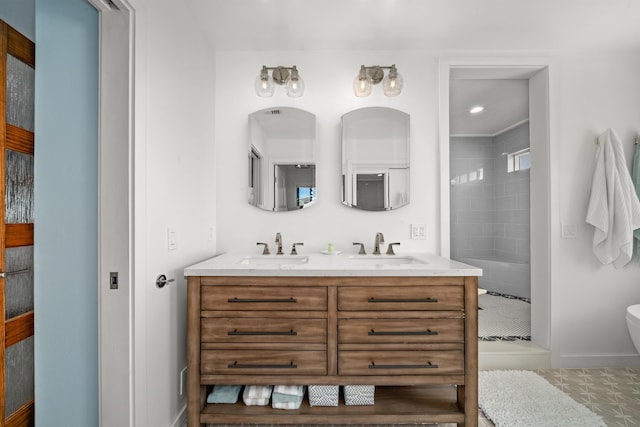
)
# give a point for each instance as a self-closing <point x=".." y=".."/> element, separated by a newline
<point x="393" y="405"/>
<point x="413" y="337"/>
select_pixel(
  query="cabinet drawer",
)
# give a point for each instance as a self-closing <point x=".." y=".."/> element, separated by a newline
<point x="381" y="331"/>
<point x="263" y="329"/>
<point x="445" y="362"/>
<point x="263" y="298"/>
<point x="264" y="362"/>
<point x="401" y="298"/>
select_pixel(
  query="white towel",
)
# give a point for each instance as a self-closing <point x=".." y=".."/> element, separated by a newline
<point x="614" y="208"/>
<point x="287" y="397"/>
<point x="257" y="395"/>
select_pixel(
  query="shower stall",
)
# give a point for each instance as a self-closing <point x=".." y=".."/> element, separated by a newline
<point x="490" y="204"/>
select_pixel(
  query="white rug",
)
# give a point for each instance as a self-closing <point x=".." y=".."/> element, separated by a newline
<point x="525" y="399"/>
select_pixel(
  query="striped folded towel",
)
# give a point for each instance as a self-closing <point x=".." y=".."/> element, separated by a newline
<point x="257" y="395"/>
<point x="224" y="394"/>
<point x="287" y="396"/>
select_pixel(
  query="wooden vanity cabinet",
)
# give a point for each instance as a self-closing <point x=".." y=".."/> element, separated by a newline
<point x="415" y="338"/>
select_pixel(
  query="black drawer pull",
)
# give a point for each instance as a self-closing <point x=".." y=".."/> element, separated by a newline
<point x="429" y="365"/>
<point x="387" y="333"/>
<point x="236" y="299"/>
<point x="236" y="365"/>
<point x="287" y="333"/>
<point x="403" y="300"/>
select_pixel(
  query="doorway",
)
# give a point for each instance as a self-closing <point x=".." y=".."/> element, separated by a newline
<point x="490" y="198"/>
<point x="537" y="78"/>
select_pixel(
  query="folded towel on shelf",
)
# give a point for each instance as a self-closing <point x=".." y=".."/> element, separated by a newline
<point x="224" y="394"/>
<point x="257" y="395"/>
<point x="614" y="208"/>
<point x="287" y="396"/>
<point x="283" y="393"/>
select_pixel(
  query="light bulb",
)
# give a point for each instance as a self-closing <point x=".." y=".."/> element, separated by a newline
<point x="295" y="85"/>
<point x="362" y="85"/>
<point x="264" y="84"/>
<point x="392" y="83"/>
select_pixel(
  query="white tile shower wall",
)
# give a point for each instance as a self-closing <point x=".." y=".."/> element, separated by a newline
<point x="489" y="206"/>
<point x="511" y="198"/>
<point x="471" y="197"/>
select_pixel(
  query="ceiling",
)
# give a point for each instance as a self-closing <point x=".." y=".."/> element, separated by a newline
<point x="419" y="24"/>
<point x="505" y="102"/>
<point x="468" y="26"/>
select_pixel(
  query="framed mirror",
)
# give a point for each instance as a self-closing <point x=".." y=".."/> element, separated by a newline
<point x="375" y="159"/>
<point x="282" y="165"/>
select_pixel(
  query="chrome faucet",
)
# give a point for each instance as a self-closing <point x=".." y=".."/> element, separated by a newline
<point x="361" y="251"/>
<point x="390" y="248"/>
<point x="279" y="243"/>
<point x="376" y="245"/>
<point x="265" y="251"/>
<point x="294" y="251"/>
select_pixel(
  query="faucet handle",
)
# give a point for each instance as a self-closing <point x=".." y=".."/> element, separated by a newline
<point x="361" y="251"/>
<point x="265" y="251"/>
<point x="293" y="248"/>
<point x="390" y="248"/>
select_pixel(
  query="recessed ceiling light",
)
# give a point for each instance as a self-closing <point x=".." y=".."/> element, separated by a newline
<point x="476" y="109"/>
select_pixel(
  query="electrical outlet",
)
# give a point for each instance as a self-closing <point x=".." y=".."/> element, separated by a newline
<point x="418" y="231"/>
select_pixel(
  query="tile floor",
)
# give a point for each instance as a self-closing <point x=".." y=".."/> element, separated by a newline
<point x="503" y="318"/>
<point x="612" y="393"/>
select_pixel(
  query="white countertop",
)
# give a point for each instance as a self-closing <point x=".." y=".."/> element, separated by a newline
<point x="318" y="264"/>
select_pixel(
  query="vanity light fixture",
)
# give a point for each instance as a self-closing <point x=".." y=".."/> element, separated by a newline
<point x="287" y="76"/>
<point x="372" y="75"/>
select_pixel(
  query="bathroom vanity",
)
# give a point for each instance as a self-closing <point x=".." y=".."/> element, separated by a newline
<point x="407" y="325"/>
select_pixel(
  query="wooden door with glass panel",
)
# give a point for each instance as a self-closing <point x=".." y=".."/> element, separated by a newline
<point x="17" y="71"/>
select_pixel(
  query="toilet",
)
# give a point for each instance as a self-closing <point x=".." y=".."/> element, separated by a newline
<point x="633" y="323"/>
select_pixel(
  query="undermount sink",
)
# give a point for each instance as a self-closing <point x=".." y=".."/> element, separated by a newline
<point x="274" y="260"/>
<point x="384" y="260"/>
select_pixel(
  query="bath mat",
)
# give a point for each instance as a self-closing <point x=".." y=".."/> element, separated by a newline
<point x="524" y="399"/>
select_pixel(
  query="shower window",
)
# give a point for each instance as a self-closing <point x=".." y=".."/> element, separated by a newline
<point x="520" y="160"/>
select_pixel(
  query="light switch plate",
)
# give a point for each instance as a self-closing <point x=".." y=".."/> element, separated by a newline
<point x="172" y="239"/>
<point x="569" y="231"/>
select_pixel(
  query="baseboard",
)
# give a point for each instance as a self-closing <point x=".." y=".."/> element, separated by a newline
<point x="181" y="419"/>
<point x="596" y="361"/>
<point x="494" y="355"/>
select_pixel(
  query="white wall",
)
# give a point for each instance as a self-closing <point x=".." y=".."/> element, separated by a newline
<point x="328" y="78"/>
<point x="589" y="300"/>
<point x="588" y="95"/>
<point x="174" y="188"/>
